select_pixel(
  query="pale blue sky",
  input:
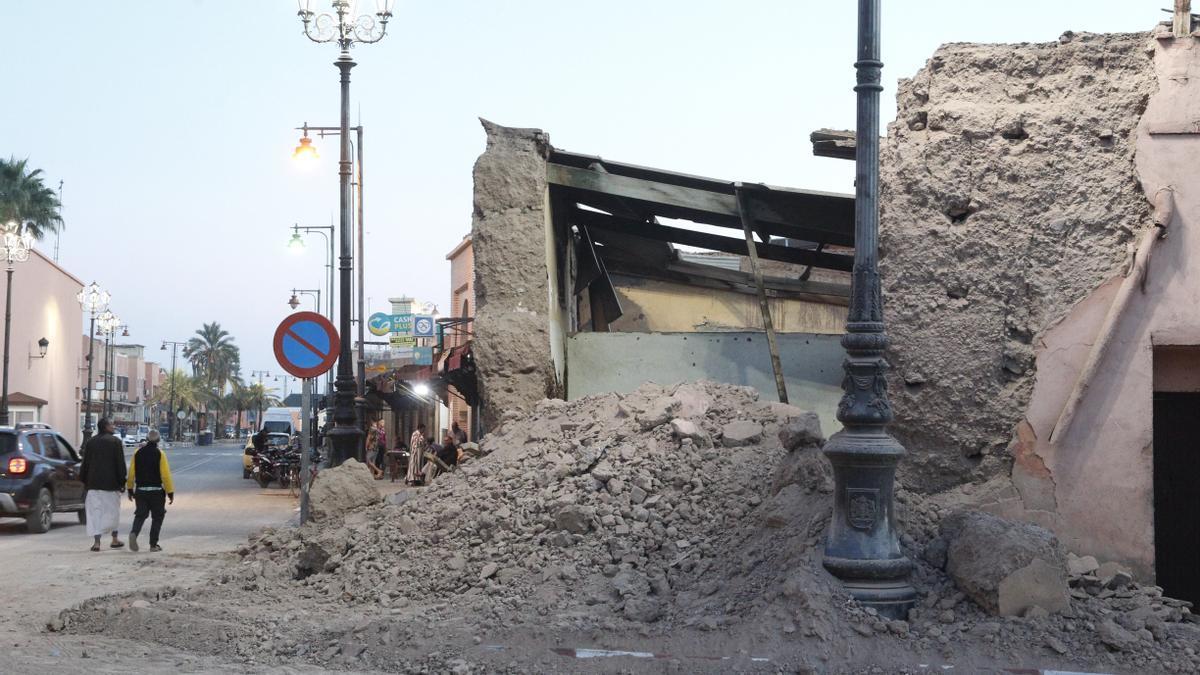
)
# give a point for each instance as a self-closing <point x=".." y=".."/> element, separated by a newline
<point x="171" y="122"/>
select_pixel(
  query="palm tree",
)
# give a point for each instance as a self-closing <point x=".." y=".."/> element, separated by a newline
<point x="215" y="359"/>
<point x="238" y="399"/>
<point x="259" y="397"/>
<point x="25" y="198"/>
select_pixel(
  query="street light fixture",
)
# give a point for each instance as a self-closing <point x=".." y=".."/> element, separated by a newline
<point x="306" y="152"/>
<point x="43" y="347"/>
<point x="296" y="244"/>
<point x="294" y="302"/>
<point x="93" y="299"/>
<point x="345" y="29"/>
<point x="18" y="241"/>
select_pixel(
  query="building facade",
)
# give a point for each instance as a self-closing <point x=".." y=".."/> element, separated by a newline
<point x="44" y="306"/>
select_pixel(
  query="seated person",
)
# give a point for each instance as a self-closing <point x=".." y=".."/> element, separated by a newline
<point x="449" y="451"/>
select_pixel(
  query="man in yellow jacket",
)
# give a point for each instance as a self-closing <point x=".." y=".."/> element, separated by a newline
<point x="151" y="488"/>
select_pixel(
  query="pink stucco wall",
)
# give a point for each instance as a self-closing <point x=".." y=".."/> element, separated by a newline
<point x="1094" y="486"/>
<point x="44" y="304"/>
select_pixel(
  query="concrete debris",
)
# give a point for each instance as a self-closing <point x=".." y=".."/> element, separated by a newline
<point x="1003" y="566"/>
<point x="337" y="491"/>
<point x="580" y="526"/>
<point x="741" y="432"/>
<point x="801" y="431"/>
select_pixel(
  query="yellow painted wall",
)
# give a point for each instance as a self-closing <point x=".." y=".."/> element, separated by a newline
<point x="666" y="307"/>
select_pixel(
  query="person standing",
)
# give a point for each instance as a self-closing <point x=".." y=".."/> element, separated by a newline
<point x="417" y="447"/>
<point x="151" y="488"/>
<point x="103" y="476"/>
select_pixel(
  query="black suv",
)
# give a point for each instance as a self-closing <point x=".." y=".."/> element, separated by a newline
<point x="39" y="474"/>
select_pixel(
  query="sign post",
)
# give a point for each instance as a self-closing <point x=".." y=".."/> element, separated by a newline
<point x="305" y="445"/>
<point x="306" y="345"/>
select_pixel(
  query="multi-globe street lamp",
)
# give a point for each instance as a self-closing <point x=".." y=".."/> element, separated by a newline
<point x="344" y="28"/>
<point x="171" y="411"/>
<point x="862" y="547"/>
<point x="17" y="242"/>
<point x="93" y="300"/>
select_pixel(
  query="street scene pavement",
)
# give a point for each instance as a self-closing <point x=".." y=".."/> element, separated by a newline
<point x="214" y="511"/>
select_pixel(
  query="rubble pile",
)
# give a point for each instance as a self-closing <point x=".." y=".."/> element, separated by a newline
<point x="689" y="518"/>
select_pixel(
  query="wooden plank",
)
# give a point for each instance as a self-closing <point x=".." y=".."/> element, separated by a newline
<point x="712" y="242"/>
<point x="761" y="292"/>
<point x="1182" y="25"/>
<point x="834" y="143"/>
<point x="809" y="216"/>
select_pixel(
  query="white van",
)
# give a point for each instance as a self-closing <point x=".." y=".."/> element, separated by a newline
<point x="282" y="421"/>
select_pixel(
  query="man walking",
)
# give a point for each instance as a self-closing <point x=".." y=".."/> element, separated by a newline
<point x="151" y="489"/>
<point x="103" y="475"/>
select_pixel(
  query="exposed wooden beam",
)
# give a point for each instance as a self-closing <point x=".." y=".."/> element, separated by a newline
<point x="712" y="242"/>
<point x="834" y="143"/>
<point x="809" y="216"/>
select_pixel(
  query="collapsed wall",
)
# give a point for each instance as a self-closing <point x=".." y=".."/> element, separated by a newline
<point x="1009" y="193"/>
<point x="512" y="291"/>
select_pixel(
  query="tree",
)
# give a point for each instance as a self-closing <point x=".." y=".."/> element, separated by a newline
<point x="216" y="360"/>
<point x="259" y="397"/>
<point x="25" y="198"/>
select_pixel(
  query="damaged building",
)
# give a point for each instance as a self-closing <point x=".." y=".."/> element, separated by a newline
<point x="1020" y="186"/>
<point x="586" y="281"/>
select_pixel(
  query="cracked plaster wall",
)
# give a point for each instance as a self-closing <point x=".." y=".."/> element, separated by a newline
<point x="513" y="326"/>
<point x="1054" y="283"/>
<point x="1008" y="195"/>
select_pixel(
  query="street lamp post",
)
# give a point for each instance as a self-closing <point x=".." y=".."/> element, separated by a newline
<point x="862" y="548"/>
<point x="18" y="241"/>
<point x="93" y="299"/>
<point x="296" y="243"/>
<point x="345" y="30"/>
<point x="171" y="412"/>
<point x="108" y="325"/>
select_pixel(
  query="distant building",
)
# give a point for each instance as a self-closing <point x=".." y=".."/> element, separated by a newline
<point x="456" y="342"/>
<point x="44" y="306"/>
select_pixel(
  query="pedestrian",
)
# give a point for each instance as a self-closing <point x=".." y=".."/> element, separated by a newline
<point x="460" y="436"/>
<point x="151" y="489"/>
<point x="103" y="476"/>
<point x="369" y="453"/>
<point x="416" y="459"/>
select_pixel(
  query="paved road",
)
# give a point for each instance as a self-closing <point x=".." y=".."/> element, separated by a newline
<point x="215" y="508"/>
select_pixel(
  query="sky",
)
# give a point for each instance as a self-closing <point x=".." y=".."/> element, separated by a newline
<point x="171" y="123"/>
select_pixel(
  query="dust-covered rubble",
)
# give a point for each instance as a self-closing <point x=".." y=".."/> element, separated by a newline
<point x="616" y="519"/>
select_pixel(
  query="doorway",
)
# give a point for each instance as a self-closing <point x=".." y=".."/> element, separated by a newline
<point x="1177" y="493"/>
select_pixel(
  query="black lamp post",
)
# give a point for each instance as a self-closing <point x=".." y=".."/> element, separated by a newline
<point x="345" y="30"/>
<point x="862" y="548"/>
<point x="93" y="299"/>
<point x="18" y="241"/>
<point x="171" y="411"/>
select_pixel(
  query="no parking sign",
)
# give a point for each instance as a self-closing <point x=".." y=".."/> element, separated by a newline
<point x="306" y="344"/>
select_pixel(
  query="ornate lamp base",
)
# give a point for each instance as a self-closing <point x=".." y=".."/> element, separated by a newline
<point x="862" y="549"/>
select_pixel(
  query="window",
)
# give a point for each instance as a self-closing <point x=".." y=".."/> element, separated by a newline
<point x="65" y="449"/>
<point x="34" y="443"/>
<point x="49" y="446"/>
<point x="123" y="384"/>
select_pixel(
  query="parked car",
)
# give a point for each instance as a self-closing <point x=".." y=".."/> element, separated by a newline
<point x="39" y="475"/>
